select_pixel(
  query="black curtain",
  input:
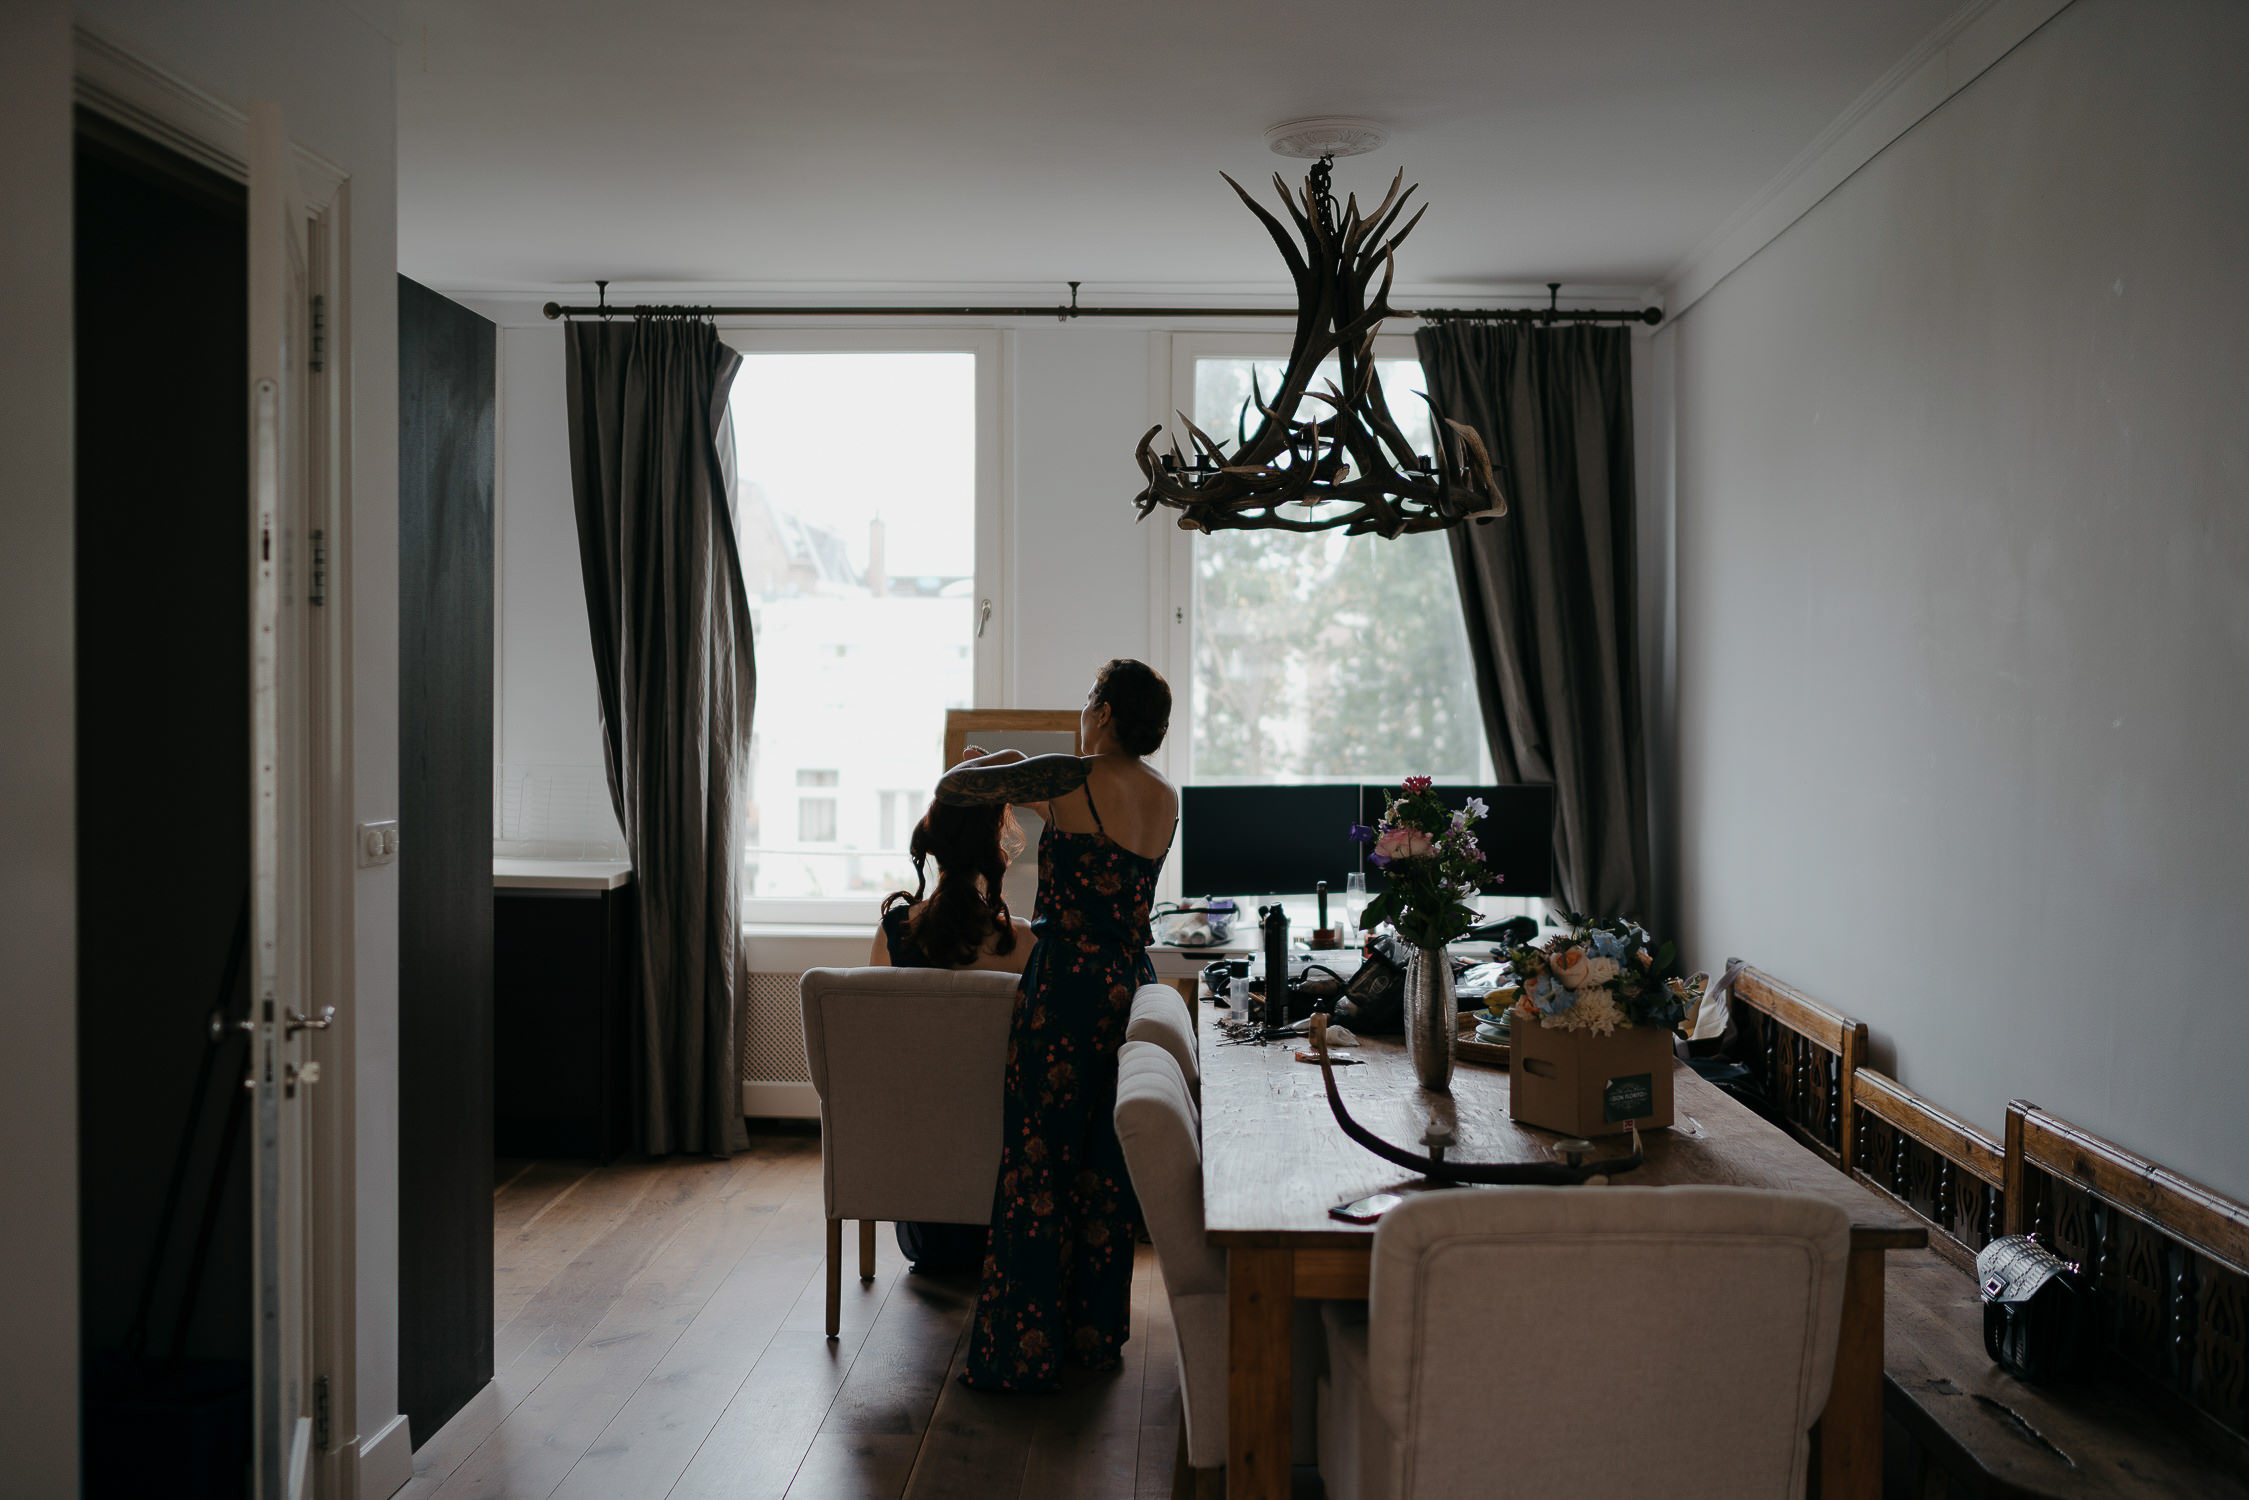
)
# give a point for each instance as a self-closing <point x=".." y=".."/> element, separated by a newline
<point x="672" y="654"/>
<point x="1549" y="592"/>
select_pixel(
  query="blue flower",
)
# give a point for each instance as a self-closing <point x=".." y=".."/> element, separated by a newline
<point x="1549" y="996"/>
<point x="1475" y="808"/>
<point x="1361" y="834"/>
<point x="1606" y="945"/>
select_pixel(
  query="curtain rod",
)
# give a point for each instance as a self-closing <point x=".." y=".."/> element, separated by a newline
<point x="1649" y="315"/>
<point x="1063" y="313"/>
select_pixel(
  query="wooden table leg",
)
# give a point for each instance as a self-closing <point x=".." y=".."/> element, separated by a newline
<point x="1847" y="1448"/>
<point x="1260" y="1296"/>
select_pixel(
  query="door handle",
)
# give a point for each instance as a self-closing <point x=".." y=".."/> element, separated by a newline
<point x="983" y="616"/>
<point x="297" y="1023"/>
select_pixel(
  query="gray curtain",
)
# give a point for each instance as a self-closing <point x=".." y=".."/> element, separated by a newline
<point x="672" y="655"/>
<point x="1549" y="592"/>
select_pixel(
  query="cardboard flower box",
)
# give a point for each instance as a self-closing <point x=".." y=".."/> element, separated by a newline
<point x="1587" y="1085"/>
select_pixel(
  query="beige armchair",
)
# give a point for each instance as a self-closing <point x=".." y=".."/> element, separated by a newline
<point x="1565" y="1342"/>
<point x="909" y="1065"/>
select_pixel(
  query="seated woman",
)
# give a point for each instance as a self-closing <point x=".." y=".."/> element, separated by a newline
<point x="963" y="924"/>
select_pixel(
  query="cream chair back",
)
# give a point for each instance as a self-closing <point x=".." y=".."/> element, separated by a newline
<point x="909" y="1065"/>
<point x="1156" y="1126"/>
<point x="1159" y="1015"/>
<point x="1558" y="1342"/>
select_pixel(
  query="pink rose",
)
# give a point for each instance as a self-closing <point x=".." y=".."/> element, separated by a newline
<point x="1569" y="966"/>
<point x="1405" y="843"/>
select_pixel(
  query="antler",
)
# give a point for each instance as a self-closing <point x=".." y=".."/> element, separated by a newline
<point x="1382" y="486"/>
<point x="1436" y="1168"/>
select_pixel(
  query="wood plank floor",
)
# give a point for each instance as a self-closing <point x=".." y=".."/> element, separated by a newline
<point x="660" y="1334"/>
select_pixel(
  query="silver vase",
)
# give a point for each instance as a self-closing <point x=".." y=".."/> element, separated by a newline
<point x="1432" y="1015"/>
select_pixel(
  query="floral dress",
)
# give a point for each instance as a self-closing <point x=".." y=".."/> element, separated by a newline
<point x="1058" y="1269"/>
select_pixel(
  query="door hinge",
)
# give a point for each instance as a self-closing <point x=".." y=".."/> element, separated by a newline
<point x="319" y="594"/>
<point x="319" y="331"/>
<point x="320" y="1412"/>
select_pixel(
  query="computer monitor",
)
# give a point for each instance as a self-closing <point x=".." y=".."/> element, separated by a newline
<point x="1516" y="835"/>
<point x="1266" y="840"/>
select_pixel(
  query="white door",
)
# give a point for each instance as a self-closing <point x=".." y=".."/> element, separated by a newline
<point x="280" y="558"/>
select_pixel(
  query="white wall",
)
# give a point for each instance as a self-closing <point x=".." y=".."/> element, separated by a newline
<point x="1078" y="556"/>
<point x="38" y="752"/>
<point x="548" y="715"/>
<point x="331" y="66"/>
<point x="1963" y="590"/>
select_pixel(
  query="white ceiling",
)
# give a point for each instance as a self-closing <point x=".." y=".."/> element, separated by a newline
<point x="877" y="144"/>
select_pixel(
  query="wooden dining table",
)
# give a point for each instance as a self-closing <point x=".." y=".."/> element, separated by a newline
<point x="1275" y="1162"/>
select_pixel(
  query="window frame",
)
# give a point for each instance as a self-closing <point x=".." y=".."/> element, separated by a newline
<point x="1171" y="572"/>
<point x="1171" y="559"/>
<point x="990" y="646"/>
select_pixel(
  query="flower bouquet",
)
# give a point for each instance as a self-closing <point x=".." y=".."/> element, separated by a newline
<point x="1599" y="976"/>
<point x="1594" y="1010"/>
<point x="1428" y="853"/>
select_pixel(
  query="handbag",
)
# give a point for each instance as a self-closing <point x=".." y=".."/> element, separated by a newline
<point x="1377" y="993"/>
<point x="2034" y="1312"/>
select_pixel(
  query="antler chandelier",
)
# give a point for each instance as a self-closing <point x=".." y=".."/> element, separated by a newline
<point x="1342" y="461"/>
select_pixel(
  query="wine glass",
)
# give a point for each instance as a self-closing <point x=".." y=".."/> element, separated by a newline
<point x="1354" y="897"/>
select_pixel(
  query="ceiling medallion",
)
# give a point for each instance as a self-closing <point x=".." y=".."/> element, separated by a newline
<point x="1342" y="462"/>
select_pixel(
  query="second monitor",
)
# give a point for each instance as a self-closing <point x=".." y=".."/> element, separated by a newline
<point x="1250" y="840"/>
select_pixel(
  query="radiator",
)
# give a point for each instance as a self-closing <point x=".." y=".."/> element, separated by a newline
<point x="776" y="1084"/>
<point x="775" y="1081"/>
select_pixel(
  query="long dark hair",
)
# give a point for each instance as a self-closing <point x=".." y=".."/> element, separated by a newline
<point x="972" y="847"/>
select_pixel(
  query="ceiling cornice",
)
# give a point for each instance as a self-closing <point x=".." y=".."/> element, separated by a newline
<point x="1950" y="58"/>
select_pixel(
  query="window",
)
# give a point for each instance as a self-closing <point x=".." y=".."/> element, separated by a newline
<point x="1315" y="657"/>
<point x="864" y="509"/>
<point x="816" y="820"/>
<point x="1322" y="657"/>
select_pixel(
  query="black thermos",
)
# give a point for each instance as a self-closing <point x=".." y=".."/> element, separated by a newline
<point x="1276" y="964"/>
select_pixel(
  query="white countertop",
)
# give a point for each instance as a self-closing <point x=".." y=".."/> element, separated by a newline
<point x="560" y="874"/>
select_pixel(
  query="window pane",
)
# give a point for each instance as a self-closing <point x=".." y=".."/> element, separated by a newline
<point x="855" y="505"/>
<point x="1321" y="657"/>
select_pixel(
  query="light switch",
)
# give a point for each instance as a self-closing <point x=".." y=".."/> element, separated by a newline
<point x="378" y="843"/>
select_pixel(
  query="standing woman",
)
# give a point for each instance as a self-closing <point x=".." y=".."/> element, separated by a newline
<point x="1058" y="1273"/>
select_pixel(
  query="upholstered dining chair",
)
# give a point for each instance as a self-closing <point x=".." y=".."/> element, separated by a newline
<point x="1156" y="1125"/>
<point x="1160" y="1131"/>
<point x="1159" y="1015"/>
<point x="909" y="1065"/>
<point x="1564" y="1342"/>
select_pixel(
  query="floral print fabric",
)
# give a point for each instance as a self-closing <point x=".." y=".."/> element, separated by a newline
<point x="1058" y="1269"/>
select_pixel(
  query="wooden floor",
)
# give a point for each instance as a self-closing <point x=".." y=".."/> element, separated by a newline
<point x="660" y="1333"/>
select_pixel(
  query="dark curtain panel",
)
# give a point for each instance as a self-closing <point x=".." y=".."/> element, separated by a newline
<point x="1549" y="591"/>
<point x="671" y="647"/>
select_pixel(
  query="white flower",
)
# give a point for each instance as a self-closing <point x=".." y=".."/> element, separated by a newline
<point x="1596" y="1011"/>
<point x="1475" y="808"/>
<point x="1600" y="970"/>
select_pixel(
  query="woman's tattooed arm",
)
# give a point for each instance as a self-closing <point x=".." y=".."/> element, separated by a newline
<point x="1016" y="782"/>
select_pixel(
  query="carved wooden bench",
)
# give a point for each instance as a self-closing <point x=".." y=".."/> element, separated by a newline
<point x="2163" y="1258"/>
<point x="1803" y="1057"/>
